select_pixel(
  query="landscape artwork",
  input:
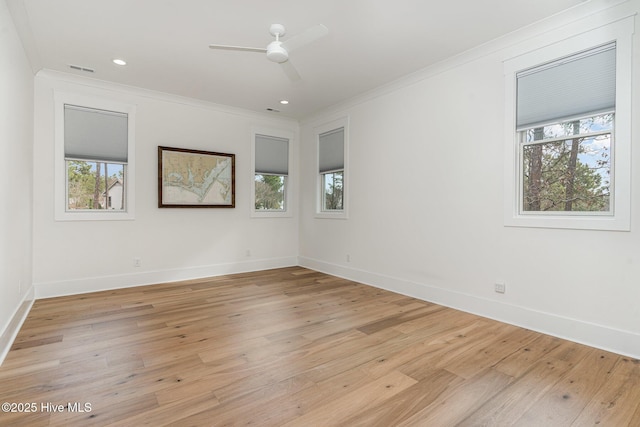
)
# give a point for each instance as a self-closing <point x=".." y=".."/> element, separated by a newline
<point x="195" y="179"/>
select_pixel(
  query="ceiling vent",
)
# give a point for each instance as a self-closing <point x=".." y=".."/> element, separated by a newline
<point x="79" y="68"/>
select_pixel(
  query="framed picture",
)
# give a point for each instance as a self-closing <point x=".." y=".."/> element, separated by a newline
<point x="195" y="179"/>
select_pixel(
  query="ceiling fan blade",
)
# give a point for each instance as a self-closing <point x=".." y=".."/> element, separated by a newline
<point x="290" y="71"/>
<point x="239" y="48"/>
<point x="307" y="36"/>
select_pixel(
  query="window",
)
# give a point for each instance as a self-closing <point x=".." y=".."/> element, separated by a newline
<point x="95" y="152"/>
<point x="271" y="160"/>
<point x="94" y="173"/>
<point x="271" y="170"/>
<point x="569" y="136"/>
<point x="332" y="170"/>
<point x="331" y="167"/>
<point x="565" y="115"/>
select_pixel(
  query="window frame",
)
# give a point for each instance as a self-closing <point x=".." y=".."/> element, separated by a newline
<point x="60" y="169"/>
<point x="287" y="212"/>
<point x="619" y="218"/>
<point x="343" y="213"/>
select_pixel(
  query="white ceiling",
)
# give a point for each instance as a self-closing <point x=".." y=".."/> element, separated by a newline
<point x="165" y="42"/>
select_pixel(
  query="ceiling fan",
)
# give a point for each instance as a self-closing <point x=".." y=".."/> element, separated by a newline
<point x="278" y="51"/>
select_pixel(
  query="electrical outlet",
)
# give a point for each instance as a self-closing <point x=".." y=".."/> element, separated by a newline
<point x="248" y="253"/>
<point x="348" y="258"/>
<point x="137" y="262"/>
<point x="500" y="287"/>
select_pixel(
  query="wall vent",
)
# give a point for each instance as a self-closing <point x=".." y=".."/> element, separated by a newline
<point x="79" y="68"/>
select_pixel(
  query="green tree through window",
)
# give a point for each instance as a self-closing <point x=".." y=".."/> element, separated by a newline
<point x="86" y="184"/>
<point x="567" y="166"/>
<point x="270" y="194"/>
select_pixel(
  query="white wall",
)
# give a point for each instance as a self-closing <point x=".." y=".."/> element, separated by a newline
<point x="173" y="244"/>
<point x="16" y="142"/>
<point x="426" y="203"/>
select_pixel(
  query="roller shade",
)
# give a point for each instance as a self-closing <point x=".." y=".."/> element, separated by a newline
<point x="272" y="155"/>
<point x="571" y="87"/>
<point x="92" y="134"/>
<point x="331" y="151"/>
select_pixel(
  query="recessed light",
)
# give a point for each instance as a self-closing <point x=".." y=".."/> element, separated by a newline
<point x="284" y="102"/>
<point x="119" y="61"/>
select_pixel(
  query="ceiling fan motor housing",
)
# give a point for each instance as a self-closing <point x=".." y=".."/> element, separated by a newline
<point x="277" y="30"/>
<point x="276" y="53"/>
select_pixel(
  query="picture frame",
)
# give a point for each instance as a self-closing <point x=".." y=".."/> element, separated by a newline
<point x="195" y="178"/>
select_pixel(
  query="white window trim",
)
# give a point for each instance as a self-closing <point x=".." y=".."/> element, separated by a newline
<point x="620" y="218"/>
<point x="342" y="122"/>
<point x="289" y="202"/>
<point x="60" y="186"/>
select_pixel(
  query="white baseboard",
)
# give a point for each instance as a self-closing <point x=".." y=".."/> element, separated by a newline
<point x="104" y="283"/>
<point x="599" y="336"/>
<point x="15" y="323"/>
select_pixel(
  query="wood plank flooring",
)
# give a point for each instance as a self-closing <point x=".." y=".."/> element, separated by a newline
<point x="294" y="347"/>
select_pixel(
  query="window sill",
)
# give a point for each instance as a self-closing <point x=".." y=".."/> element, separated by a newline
<point x="332" y="215"/>
<point x="271" y="214"/>
<point x="572" y="222"/>
<point x="95" y="216"/>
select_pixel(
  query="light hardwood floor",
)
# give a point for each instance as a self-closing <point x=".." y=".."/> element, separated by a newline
<point x="294" y="347"/>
